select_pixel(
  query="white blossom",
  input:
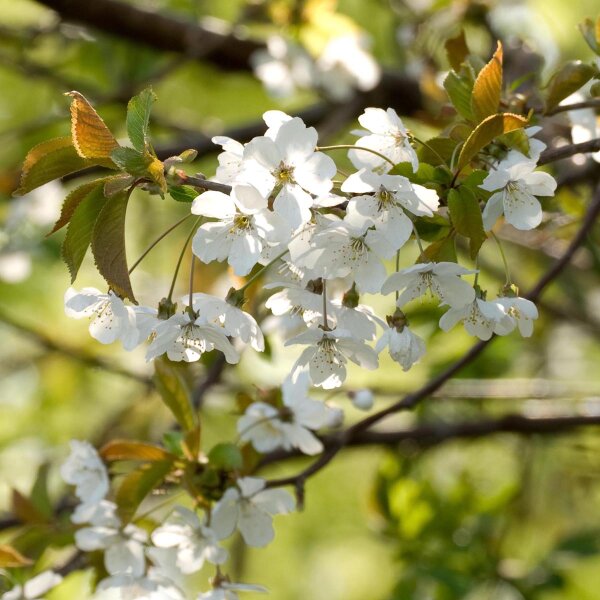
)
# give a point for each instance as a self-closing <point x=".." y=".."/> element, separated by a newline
<point x="191" y="541"/>
<point x="289" y="163"/>
<point x="343" y="249"/>
<point x="123" y="547"/>
<point x="250" y="507"/>
<point x="388" y="197"/>
<point x="268" y="427"/>
<point x="386" y="135"/>
<point x="404" y="346"/>
<point x="480" y="318"/>
<point x="228" y="591"/>
<point x="234" y="321"/>
<point x="441" y="279"/>
<point x="327" y="354"/>
<point x="362" y="399"/>
<point x="244" y="227"/>
<point x="111" y="318"/>
<point x="345" y="65"/>
<point x="35" y="588"/>
<point x="85" y="470"/>
<point x="283" y="67"/>
<point x="522" y="311"/>
<point x="517" y="186"/>
<point x="128" y="587"/>
<point x="184" y="338"/>
<point x="230" y="159"/>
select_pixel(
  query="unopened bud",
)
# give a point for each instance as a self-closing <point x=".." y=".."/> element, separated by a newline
<point x="362" y="399"/>
<point x="351" y="297"/>
<point x="166" y="308"/>
<point x="235" y="297"/>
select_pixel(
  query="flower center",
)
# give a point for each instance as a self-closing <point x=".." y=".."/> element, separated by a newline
<point x="241" y="223"/>
<point x="385" y="198"/>
<point x="284" y="174"/>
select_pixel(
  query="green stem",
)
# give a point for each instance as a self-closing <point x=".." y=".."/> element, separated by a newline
<point x="191" y="291"/>
<point x="156" y="241"/>
<point x="324" y="294"/>
<point x="504" y="261"/>
<point x="181" y="254"/>
<point x="397" y="269"/>
<point x="430" y="148"/>
<point x="352" y="147"/>
<point x="418" y="238"/>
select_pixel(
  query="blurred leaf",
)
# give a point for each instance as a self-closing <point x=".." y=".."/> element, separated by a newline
<point x="567" y="80"/>
<point x="79" y="232"/>
<point x="133" y="450"/>
<point x="138" y="118"/>
<point x="487" y="88"/>
<point x="457" y="50"/>
<point x="440" y="251"/>
<point x="48" y="161"/>
<point x="174" y="392"/>
<point x="39" y="495"/>
<point x="591" y="32"/>
<point x="226" y="456"/>
<point x="108" y="245"/>
<point x="485" y="132"/>
<point x="24" y="509"/>
<point x="425" y="173"/>
<point x="138" y="484"/>
<point x="91" y="137"/>
<point x="10" y="558"/>
<point x="183" y="193"/>
<point x="460" y="90"/>
<point x="466" y="217"/>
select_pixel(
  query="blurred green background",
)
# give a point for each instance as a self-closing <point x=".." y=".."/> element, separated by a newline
<point x="502" y="518"/>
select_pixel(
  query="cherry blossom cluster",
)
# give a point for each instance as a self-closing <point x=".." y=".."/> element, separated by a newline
<point x="155" y="562"/>
<point x="324" y="239"/>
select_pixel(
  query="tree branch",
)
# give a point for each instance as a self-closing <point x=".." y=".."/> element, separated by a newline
<point x="159" y="31"/>
<point x="554" y="154"/>
<point x="428" y="435"/>
<point x="345" y="438"/>
<point x="74" y="353"/>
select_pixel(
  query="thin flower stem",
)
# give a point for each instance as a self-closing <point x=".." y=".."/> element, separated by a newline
<point x="352" y="147"/>
<point x="160" y="505"/>
<point x="156" y="241"/>
<point x="430" y="148"/>
<point x="397" y="269"/>
<point x="181" y="254"/>
<point x="504" y="261"/>
<point x="418" y="238"/>
<point x="476" y="279"/>
<point x="191" y="291"/>
<point x="324" y="294"/>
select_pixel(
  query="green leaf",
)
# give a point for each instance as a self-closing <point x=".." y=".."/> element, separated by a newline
<point x="460" y="90"/>
<point x="443" y="250"/>
<point x="425" y="173"/>
<point x="485" y="132"/>
<point x="133" y="162"/>
<point x="567" y="80"/>
<point x="174" y="392"/>
<point x="117" y="184"/>
<point x="48" y="161"/>
<point x="438" y="151"/>
<point x="591" y="32"/>
<point x="79" y="232"/>
<point x="108" y="245"/>
<point x="138" y="484"/>
<point x="133" y="450"/>
<point x="138" y="118"/>
<point x="487" y="88"/>
<point x="457" y="50"/>
<point x="91" y="137"/>
<point x="466" y="217"/>
<point x="226" y="456"/>
<point x="183" y="193"/>
<point x="39" y="495"/>
<point x="74" y="199"/>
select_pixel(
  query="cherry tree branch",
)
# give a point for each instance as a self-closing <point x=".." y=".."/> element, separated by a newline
<point x="345" y="438"/>
<point x="554" y="154"/>
<point x="73" y="353"/>
<point x="427" y="435"/>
